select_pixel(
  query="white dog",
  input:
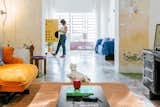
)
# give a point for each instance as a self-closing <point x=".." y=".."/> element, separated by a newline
<point x="74" y="75"/>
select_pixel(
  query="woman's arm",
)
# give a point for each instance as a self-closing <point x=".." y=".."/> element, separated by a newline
<point x="63" y="31"/>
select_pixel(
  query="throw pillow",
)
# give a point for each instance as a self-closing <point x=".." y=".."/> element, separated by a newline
<point x="7" y="54"/>
<point x="1" y="61"/>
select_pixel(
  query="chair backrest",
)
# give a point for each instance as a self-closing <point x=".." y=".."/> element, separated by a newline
<point x="31" y="50"/>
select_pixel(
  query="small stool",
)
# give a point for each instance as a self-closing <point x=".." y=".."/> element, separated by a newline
<point x="37" y="59"/>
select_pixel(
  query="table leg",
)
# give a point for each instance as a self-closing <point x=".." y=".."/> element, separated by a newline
<point x="45" y="66"/>
<point x="37" y="64"/>
<point x="31" y="61"/>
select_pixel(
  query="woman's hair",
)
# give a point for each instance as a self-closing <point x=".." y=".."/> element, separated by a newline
<point x="63" y="21"/>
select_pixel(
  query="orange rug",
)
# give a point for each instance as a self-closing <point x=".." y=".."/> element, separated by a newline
<point x="46" y="94"/>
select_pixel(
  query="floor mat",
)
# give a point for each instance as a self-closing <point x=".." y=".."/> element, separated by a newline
<point x="81" y="45"/>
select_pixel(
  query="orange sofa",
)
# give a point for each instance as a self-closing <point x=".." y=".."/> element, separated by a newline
<point x="15" y="76"/>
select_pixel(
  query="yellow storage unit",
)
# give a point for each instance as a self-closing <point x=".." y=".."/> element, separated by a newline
<point x="51" y="28"/>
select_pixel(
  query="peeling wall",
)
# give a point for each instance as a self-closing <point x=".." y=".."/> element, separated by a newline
<point x="133" y="33"/>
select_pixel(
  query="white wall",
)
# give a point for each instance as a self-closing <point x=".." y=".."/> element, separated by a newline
<point x="74" y="5"/>
<point x="154" y="19"/>
<point x="104" y="20"/>
<point x="112" y="19"/>
<point x="116" y="49"/>
<point x="105" y="10"/>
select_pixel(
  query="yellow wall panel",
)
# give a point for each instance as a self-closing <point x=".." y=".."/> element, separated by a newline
<point x="51" y="28"/>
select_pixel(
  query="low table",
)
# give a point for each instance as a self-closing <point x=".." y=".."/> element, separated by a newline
<point x="97" y="90"/>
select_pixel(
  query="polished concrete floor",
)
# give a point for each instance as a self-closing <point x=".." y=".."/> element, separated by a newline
<point x="92" y="65"/>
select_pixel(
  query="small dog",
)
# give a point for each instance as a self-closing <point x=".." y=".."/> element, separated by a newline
<point x="77" y="75"/>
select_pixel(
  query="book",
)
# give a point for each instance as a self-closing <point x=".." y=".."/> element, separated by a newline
<point x="82" y="92"/>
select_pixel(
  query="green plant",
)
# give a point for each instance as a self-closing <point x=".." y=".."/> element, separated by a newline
<point x="131" y="57"/>
<point x="26" y="46"/>
<point x="133" y="75"/>
<point x="49" y="43"/>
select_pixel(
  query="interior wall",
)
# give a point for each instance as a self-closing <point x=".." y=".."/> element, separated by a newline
<point x="105" y="10"/>
<point x="23" y="24"/>
<point x="104" y="17"/>
<point x="116" y="24"/>
<point x="133" y="33"/>
<point x="74" y="5"/>
<point x="112" y="19"/>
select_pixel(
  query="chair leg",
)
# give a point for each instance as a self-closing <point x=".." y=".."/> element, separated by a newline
<point x="45" y="66"/>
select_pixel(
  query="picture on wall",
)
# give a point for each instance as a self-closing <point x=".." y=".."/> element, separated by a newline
<point x="51" y="28"/>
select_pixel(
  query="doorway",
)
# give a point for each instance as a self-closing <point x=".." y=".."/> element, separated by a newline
<point x="81" y="29"/>
<point x="82" y="24"/>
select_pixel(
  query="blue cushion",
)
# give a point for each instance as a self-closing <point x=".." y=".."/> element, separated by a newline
<point x="1" y="57"/>
<point x="97" y="44"/>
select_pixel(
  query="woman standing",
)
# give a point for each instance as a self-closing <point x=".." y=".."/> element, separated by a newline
<point x="62" y="40"/>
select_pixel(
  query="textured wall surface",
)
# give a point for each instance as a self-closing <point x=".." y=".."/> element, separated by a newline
<point x="23" y="24"/>
<point x="133" y="30"/>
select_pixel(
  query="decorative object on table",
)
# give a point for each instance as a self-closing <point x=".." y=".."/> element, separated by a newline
<point x="77" y="84"/>
<point x="75" y="75"/>
<point x="84" y="91"/>
<point x="87" y="96"/>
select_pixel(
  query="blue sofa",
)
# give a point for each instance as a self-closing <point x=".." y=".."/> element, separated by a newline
<point x="105" y="46"/>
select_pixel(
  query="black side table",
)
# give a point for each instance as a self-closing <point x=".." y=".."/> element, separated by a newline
<point x="97" y="90"/>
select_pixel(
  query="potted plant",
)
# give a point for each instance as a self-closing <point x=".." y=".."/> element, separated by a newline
<point x="49" y="44"/>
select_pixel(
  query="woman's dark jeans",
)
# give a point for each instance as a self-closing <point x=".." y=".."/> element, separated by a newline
<point x="62" y="41"/>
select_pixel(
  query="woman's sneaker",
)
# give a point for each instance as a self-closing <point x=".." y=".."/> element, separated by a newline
<point x="54" y="54"/>
<point x="62" y="56"/>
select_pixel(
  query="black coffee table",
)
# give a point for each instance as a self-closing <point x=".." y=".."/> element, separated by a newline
<point x="97" y="90"/>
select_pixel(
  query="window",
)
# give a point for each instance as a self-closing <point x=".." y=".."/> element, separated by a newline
<point x="79" y="23"/>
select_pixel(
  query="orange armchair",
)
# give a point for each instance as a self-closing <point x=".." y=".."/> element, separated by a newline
<point x="15" y="76"/>
<point x="8" y="57"/>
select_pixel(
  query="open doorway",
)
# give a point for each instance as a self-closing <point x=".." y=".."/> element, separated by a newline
<point x="87" y="25"/>
<point x="81" y="29"/>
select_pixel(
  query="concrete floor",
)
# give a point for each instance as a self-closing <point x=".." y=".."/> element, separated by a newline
<point x="92" y="65"/>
